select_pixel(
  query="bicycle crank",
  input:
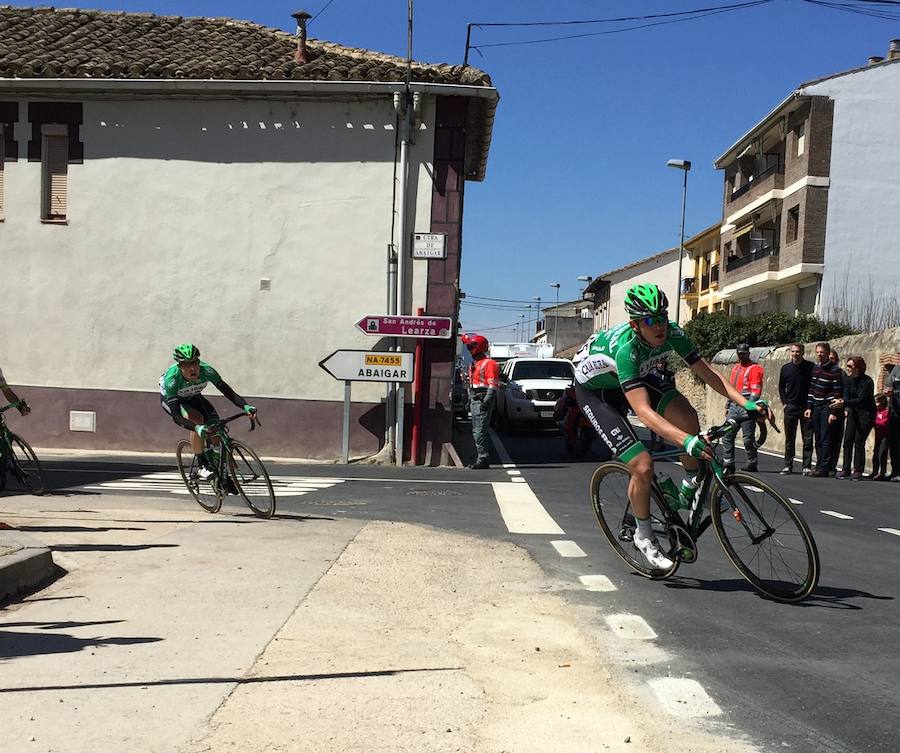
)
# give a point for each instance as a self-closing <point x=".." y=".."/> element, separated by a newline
<point x="683" y="543"/>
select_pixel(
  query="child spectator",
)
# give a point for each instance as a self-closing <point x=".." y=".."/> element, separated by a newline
<point x="882" y="441"/>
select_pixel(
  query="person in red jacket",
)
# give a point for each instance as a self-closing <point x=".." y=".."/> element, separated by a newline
<point x="746" y="378"/>
<point x="484" y="381"/>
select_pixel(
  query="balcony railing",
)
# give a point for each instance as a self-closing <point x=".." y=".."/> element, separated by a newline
<point x="704" y="281"/>
<point x="688" y="286"/>
<point x="775" y="167"/>
<point x="736" y="262"/>
<point x="714" y="275"/>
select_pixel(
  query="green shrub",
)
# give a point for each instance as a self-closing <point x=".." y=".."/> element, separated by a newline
<point x="714" y="332"/>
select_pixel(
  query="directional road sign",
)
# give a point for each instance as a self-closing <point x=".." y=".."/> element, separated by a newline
<point x="369" y="366"/>
<point x="406" y="326"/>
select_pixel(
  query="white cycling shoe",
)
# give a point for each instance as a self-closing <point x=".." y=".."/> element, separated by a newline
<point x="650" y="549"/>
<point x="204" y="473"/>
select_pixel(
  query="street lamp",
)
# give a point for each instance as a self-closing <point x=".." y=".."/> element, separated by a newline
<point x="537" y="312"/>
<point x="684" y="165"/>
<point x="555" y="318"/>
<point x="587" y="279"/>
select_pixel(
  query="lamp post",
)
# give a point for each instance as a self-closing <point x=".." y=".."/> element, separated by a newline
<point x="537" y="312"/>
<point x="685" y="166"/>
<point x="555" y="318"/>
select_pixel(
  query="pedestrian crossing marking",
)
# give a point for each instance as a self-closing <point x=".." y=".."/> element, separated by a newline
<point x="172" y="483"/>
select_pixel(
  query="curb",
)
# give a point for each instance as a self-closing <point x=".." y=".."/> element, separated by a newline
<point x="25" y="565"/>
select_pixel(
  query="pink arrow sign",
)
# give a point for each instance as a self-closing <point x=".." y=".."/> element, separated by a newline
<point x="407" y="326"/>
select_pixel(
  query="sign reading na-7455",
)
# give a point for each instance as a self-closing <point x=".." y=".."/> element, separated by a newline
<point x="369" y="366"/>
<point x="406" y="326"/>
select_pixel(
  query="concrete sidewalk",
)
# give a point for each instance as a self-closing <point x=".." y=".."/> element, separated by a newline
<point x="184" y="632"/>
<point x="25" y="563"/>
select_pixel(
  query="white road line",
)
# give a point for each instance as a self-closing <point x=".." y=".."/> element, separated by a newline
<point x="753" y="488"/>
<point x="514" y="473"/>
<point x="795" y="501"/>
<point x="890" y="530"/>
<point x="171" y="483"/>
<point x="518" y="480"/>
<point x="522" y="511"/>
<point x="834" y="514"/>
<point x="630" y="626"/>
<point x="597" y="583"/>
<point x="680" y="696"/>
<point x="568" y="549"/>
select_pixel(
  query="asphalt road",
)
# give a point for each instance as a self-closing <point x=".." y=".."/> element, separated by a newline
<point x="815" y="677"/>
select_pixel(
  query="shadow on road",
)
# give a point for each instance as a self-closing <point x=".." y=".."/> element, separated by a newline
<point x="15" y="644"/>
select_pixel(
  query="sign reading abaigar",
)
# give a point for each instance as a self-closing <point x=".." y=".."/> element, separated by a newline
<point x="369" y="366"/>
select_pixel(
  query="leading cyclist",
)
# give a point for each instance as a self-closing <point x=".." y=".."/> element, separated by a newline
<point x="10" y="395"/>
<point x="179" y="392"/>
<point x="615" y="371"/>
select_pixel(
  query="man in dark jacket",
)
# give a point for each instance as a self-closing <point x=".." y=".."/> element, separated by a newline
<point x="793" y="388"/>
<point x="826" y="385"/>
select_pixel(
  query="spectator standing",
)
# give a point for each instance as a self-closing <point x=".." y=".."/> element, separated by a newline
<point x="892" y="390"/>
<point x="747" y="378"/>
<point x="793" y="389"/>
<point x="880" y="455"/>
<point x="839" y="424"/>
<point x="484" y="381"/>
<point x="858" y="404"/>
<point x="825" y="386"/>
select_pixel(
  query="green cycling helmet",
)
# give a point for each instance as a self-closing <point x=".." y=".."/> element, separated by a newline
<point x="186" y="352"/>
<point x="645" y="300"/>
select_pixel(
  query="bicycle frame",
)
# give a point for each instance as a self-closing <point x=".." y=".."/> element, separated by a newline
<point x="219" y="430"/>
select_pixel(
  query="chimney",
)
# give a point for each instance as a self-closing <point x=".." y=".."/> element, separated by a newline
<point x="300" y="55"/>
<point x="894" y="50"/>
<point x="875" y="59"/>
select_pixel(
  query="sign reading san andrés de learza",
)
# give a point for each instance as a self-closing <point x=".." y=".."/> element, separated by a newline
<point x="369" y="366"/>
<point x="406" y="326"/>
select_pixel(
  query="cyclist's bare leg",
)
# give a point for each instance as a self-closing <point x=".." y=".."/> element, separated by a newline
<point x="641" y="467"/>
<point x="196" y="439"/>
<point x="682" y="414"/>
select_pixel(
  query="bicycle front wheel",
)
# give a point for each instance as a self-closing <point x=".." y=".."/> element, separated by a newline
<point x="609" y="498"/>
<point x="209" y="496"/>
<point x="24" y="468"/>
<point x="252" y="479"/>
<point x="765" y="538"/>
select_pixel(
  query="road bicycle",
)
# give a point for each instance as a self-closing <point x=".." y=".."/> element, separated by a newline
<point x="236" y="469"/>
<point x="17" y="460"/>
<point x="762" y="534"/>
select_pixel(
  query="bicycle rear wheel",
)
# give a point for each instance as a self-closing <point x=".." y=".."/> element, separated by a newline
<point x="609" y="498"/>
<point x="24" y="468"/>
<point x="208" y="496"/>
<point x="765" y="538"/>
<point x="252" y="479"/>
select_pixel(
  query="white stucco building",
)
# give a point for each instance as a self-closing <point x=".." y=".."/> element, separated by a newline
<point x="608" y="289"/>
<point x="168" y="180"/>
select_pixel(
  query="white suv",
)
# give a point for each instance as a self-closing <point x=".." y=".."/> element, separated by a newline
<point x="529" y="389"/>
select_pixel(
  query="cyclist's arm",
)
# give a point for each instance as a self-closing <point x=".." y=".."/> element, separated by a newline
<point x="10" y="396"/>
<point x="715" y="380"/>
<point x="226" y="390"/>
<point x="639" y="401"/>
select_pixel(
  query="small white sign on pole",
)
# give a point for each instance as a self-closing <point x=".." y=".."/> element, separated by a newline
<point x="429" y="246"/>
<point x="369" y="366"/>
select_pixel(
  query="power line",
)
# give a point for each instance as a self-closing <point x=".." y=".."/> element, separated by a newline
<point x="320" y="12"/>
<point x="682" y="16"/>
<point x="503" y="300"/>
<point x="860" y="8"/>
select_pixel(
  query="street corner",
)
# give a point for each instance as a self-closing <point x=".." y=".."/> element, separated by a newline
<point x="26" y="565"/>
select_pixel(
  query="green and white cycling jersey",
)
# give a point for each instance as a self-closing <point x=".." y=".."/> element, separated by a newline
<point x="172" y="384"/>
<point x="619" y="359"/>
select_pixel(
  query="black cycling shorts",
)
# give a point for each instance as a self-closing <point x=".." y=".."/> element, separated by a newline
<point x="607" y="409"/>
<point x="198" y="403"/>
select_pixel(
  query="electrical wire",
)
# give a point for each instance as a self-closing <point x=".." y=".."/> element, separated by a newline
<point x="694" y="15"/>
<point x="320" y="12"/>
<point x="859" y="8"/>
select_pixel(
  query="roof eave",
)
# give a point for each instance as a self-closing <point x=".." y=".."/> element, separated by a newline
<point x="481" y="120"/>
<point x="720" y="162"/>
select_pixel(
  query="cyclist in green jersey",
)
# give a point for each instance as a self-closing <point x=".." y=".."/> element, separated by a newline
<point x="614" y="371"/>
<point x="179" y="392"/>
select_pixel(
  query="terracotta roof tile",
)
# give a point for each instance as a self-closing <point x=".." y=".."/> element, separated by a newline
<point x="75" y="43"/>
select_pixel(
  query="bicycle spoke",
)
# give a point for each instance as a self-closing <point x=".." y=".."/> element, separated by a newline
<point x="252" y="480"/>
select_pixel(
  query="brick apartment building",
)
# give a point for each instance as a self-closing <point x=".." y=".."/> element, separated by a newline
<point x="807" y="211"/>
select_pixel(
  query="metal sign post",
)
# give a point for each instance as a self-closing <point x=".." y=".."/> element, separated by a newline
<point x="366" y="366"/>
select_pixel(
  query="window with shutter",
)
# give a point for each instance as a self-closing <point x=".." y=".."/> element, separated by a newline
<point x="55" y="159"/>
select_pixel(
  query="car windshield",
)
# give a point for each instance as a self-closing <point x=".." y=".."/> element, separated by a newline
<point x="543" y="370"/>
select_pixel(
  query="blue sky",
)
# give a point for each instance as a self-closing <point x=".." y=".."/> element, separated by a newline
<point x="577" y="182"/>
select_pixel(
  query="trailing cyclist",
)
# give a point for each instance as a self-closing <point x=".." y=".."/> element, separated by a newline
<point x="12" y="396"/>
<point x="615" y="371"/>
<point x="179" y="392"/>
